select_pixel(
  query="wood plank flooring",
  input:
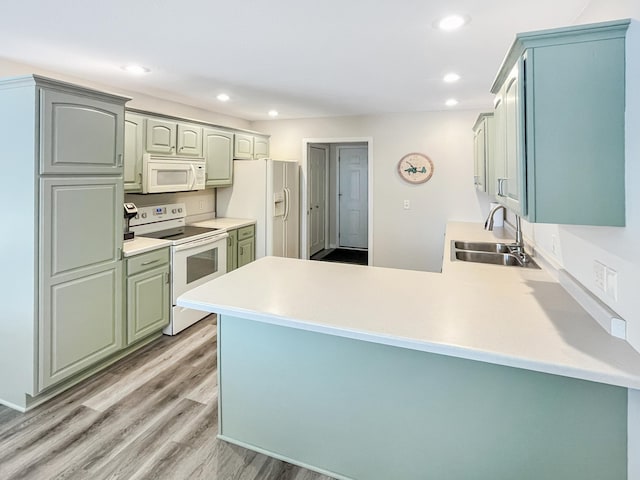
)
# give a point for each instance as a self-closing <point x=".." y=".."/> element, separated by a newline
<point x="153" y="415"/>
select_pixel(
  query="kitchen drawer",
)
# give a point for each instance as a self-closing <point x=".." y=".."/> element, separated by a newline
<point x="145" y="261"/>
<point x="246" y="232"/>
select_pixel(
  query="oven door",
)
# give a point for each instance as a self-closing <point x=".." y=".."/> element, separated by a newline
<point x="197" y="262"/>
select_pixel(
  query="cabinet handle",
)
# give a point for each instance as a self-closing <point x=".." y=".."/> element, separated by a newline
<point x="150" y="262"/>
<point x="119" y="159"/>
<point x="166" y="277"/>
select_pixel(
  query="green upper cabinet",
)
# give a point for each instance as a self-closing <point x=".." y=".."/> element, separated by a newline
<point x="250" y="147"/>
<point x="189" y="140"/>
<point x="260" y="147"/>
<point x="483" y="153"/>
<point x="218" y="153"/>
<point x="169" y="137"/>
<point x="133" y="150"/>
<point x="243" y="147"/>
<point x="80" y="135"/>
<point x="560" y="120"/>
<point x="161" y="136"/>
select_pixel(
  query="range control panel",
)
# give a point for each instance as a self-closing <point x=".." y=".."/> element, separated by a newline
<point x="159" y="213"/>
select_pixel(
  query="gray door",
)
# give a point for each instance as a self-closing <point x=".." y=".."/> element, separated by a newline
<point x="317" y="198"/>
<point x="353" y="197"/>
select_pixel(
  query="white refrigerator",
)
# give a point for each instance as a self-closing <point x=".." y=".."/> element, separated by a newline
<point x="269" y="191"/>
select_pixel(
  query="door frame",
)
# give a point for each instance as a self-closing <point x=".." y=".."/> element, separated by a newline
<point x="304" y="205"/>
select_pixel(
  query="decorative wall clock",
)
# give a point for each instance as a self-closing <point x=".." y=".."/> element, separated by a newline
<point x="415" y="168"/>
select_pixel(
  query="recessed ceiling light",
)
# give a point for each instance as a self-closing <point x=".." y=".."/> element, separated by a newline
<point x="452" y="22"/>
<point x="223" y="97"/>
<point x="452" y="102"/>
<point x="273" y="113"/>
<point x="451" y="77"/>
<point x="135" y="69"/>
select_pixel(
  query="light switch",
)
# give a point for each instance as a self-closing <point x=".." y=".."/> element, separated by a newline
<point x="407" y="204"/>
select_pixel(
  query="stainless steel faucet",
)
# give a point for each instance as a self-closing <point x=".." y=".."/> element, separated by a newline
<point x="517" y="248"/>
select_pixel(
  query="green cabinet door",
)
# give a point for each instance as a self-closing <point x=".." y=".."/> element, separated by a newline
<point x="81" y="276"/>
<point x="133" y="151"/>
<point x="232" y="250"/>
<point x="160" y="136"/>
<point x="147" y="294"/>
<point x="80" y="135"/>
<point x="246" y="251"/>
<point x="189" y="140"/>
<point x="483" y="153"/>
<point x="514" y="156"/>
<point x="218" y="153"/>
<point x="243" y="147"/>
<point x="260" y="147"/>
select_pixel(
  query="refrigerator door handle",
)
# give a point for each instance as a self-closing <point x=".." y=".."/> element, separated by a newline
<point x="287" y="194"/>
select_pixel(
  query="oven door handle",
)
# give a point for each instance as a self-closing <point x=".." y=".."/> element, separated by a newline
<point x="201" y="242"/>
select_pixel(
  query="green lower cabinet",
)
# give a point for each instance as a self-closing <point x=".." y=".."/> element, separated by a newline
<point x="232" y="250"/>
<point x="246" y="251"/>
<point x="81" y="323"/>
<point x="241" y="247"/>
<point x="148" y="302"/>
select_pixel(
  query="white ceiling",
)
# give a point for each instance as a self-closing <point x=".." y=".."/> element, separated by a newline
<point x="302" y="58"/>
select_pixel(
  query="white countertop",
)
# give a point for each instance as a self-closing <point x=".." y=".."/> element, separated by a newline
<point x="225" y="223"/>
<point x="504" y="315"/>
<point x="141" y="245"/>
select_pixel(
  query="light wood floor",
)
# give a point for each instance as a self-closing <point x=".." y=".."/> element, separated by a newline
<point x="153" y="415"/>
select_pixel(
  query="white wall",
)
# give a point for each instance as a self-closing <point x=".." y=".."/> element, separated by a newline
<point x="138" y="100"/>
<point x="411" y="239"/>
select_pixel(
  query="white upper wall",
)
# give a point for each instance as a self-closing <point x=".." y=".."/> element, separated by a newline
<point x="139" y="101"/>
<point x="411" y="239"/>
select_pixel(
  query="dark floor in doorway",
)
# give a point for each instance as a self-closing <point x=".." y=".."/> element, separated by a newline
<point x="343" y="255"/>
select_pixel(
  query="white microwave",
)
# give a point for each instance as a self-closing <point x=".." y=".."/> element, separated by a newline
<point x="172" y="174"/>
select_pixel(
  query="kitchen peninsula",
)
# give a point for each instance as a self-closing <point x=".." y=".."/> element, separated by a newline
<point x="377" y="373"/>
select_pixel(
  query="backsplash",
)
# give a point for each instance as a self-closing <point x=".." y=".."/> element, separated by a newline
<point x="201" y="204"/>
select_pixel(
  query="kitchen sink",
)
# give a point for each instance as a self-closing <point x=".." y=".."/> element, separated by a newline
<point x="482" y="246"/>
<point x="489" y="253"/>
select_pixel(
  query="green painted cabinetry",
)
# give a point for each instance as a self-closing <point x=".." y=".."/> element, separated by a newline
<point x="250" y="147"/>
<point x="560" y="121"/>
<point x="218" y="153"/>
<point x="133" y="151"/>
<point x="147" y="294"/>
<point x="62" y="300"/>
<point x="483" y="151"/>
<point x="241" y="247"/>
<point x="169" y="137"/>
<point x="232" y="250"/>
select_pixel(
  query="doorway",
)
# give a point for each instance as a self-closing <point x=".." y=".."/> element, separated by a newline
<point x="337" y="177"/>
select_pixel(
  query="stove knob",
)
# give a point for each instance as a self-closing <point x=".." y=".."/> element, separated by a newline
<point x="173" y="211"/>
<point x="137" y="216"/>
<point x="144" y="215"/>
<point x="179" y="210"/>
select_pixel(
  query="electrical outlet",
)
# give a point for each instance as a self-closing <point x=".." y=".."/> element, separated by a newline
<point x="201" y="205"/>
<point x="600" y="275"/>
<point x="407" y="204"/>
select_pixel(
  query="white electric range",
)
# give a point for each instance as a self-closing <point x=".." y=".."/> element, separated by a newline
<point x="198" y="254"/>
